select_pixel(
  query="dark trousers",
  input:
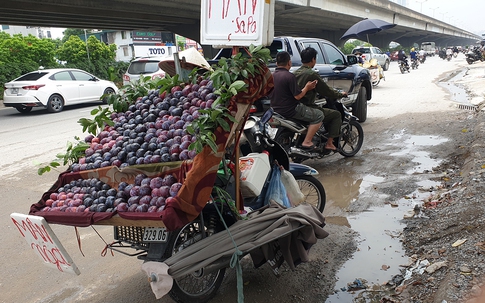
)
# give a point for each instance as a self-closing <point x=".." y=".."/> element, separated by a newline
<point x="332" y="119"/>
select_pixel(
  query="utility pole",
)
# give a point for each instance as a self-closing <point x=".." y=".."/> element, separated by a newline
<point x="87" y="48"/>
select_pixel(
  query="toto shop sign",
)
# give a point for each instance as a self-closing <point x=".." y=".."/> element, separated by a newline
<point x="237" y="23"/>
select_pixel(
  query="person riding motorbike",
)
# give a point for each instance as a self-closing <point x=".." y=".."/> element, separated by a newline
<point x="455" y="51"/>
<point x="449" y="52"/>
<point x="360" y="60"/>
<point x="285" y="98"/>
<point x="482" y="48"/>
<point x="414" y="56"/>
<point x="401" y="56"/>
<point x="332" y="118"/>
<point x="422" y="55"/>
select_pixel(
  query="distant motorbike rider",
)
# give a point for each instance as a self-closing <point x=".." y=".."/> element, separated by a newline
<point x="449" y="52"/>
<point x="360" y="60"/>
<point x="455" y="50"/>
<point x="401" y="56"/>
<point x="414" y="55"/>
<point x="482" y="48"/>
<point x="422" y="55"/>
<point x="332" y="118"/>
<point x="442" y="53"/>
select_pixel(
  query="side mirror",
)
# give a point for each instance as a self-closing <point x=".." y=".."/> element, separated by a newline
<point x="352" y="59"/>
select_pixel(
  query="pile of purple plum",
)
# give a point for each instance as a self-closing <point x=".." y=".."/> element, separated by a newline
<point x="153" y="130"/>
<point x="92" y="195"/>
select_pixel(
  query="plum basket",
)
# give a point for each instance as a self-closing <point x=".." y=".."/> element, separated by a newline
<point x="132" y="235"/>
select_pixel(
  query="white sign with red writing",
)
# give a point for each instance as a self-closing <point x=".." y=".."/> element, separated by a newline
<point x="237" y="22"/>
<point x="42" y="240"/>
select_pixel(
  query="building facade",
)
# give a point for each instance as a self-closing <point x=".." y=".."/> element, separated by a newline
<point x="39" y="32"/>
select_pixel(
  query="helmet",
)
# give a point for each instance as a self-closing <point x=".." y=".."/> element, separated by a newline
<point x="412" y="49"/>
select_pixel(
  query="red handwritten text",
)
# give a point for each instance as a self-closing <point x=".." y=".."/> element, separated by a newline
<point x="245" y="26"/>
<point x="242" y="7"/>
<point x="41" y="242"/>
<point x="36" y="230"/>
<point x="51" y="255"/>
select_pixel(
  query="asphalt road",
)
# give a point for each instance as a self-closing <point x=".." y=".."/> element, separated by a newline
<point x="29" y="140"/>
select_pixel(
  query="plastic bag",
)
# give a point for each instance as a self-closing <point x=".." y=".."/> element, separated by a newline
<point x="292" y="189"/>
<point x="276" y="189"/>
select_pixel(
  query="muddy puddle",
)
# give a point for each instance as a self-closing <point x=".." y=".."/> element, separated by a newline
<point x="457" y="92"/>
<point x="380" y="253"/>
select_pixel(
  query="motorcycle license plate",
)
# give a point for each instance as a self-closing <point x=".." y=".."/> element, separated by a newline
<point x="155" y="235"/>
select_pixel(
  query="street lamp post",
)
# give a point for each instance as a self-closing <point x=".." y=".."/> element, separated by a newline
<point x="433" y="9"/>
<point x="422" y="1"/>
<point x="443" y="16"/>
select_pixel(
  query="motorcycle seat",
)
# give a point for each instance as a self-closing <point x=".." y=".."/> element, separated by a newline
<point x="296" y="123"/>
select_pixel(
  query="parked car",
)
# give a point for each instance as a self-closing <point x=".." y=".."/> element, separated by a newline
<point x="373" y="52"/>
<point x="339" y="71"/>
<point x="55" y="88"/>
<point x="145" y="66"/>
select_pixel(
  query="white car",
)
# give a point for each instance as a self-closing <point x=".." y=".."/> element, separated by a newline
<point x="55" y="88"/>
<point x="145" y="66"/>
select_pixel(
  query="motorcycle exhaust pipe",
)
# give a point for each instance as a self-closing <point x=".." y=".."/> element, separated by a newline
<point x="296" y="152"/>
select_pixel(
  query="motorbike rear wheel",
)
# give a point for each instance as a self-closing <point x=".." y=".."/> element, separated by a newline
<point x="199" y="286"/>
<point x="313" y="191"/>
<point x="351" y="139"/>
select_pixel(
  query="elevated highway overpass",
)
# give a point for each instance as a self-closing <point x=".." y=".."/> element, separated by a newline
<point x="327" y="19"/>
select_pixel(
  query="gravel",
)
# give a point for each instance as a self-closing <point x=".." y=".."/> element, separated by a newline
<point x="452" y="229"/>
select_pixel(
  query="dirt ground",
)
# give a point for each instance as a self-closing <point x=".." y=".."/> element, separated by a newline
<point x="417" y="184"/>
<point x="451" y="209"/>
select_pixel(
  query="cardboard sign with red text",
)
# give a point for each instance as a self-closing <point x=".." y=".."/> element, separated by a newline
<point x="237" y="23"/>
<point x="43" y="242"/>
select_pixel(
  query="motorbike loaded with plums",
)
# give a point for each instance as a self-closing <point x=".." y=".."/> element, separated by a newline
<point x="187" y="214"/>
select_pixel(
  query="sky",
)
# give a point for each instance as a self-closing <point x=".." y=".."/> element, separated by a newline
<point x="464" y="14"/>
<point x="56" y="32"/>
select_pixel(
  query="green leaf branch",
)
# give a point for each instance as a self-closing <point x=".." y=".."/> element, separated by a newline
<point x="74" y="151"/>
<point x="228" y="79"/>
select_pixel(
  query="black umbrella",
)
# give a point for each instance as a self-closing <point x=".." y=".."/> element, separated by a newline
<point x="365" y="27"/>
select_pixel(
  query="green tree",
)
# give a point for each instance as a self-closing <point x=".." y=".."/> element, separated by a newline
<point x="96" y="58"/>
<point x="351" y="44"/>
<point x="68" y="32"/>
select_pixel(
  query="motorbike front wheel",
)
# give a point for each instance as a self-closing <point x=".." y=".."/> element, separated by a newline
<point x="199" y="286"/>
<point x="313" y="191"/>
<point x="351" y="139"/>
